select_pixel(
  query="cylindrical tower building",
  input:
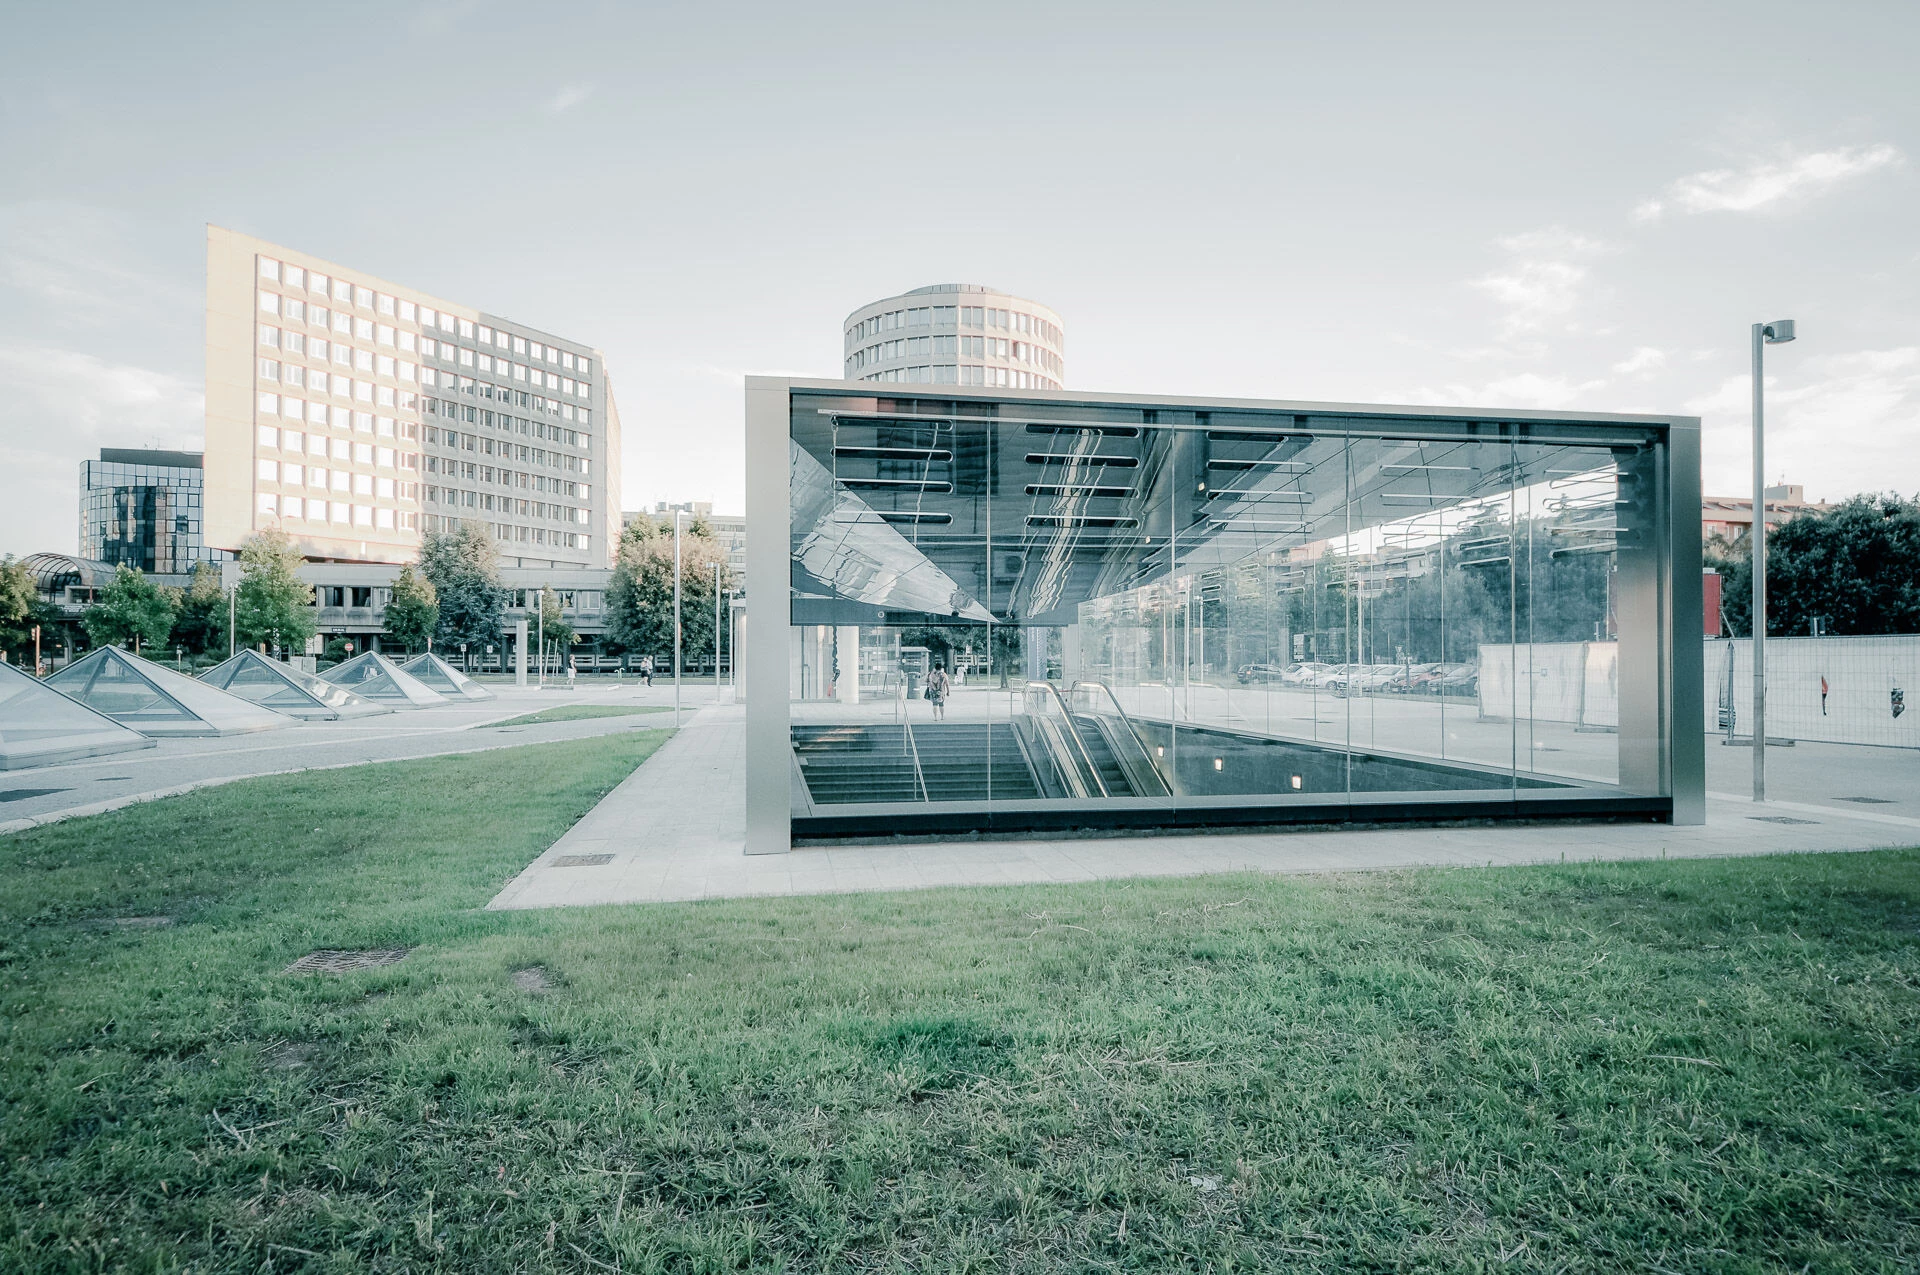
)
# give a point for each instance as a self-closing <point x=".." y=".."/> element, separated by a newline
<point x="957" y="334"/>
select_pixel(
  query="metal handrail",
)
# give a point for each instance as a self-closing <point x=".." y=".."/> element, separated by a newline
<point x="1080" y="745"/>
<point x="1132" y="730"/>
<point x="919" y="776"/>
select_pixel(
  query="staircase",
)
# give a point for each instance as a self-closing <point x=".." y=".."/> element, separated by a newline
<point x="957" y="761"/>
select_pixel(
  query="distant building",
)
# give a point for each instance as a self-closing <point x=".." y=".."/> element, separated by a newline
<point x="956" y="334"/>
<point x="358" y="415"/>
<point x="142" y="508"/>
<point x="1731" y="517"/>
<point x="729" y="529"/>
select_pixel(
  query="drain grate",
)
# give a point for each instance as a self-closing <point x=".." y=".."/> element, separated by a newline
<point x="1779" y="819"/>
<point x="331" y="960"/>
<point x="21" y="794"/>
<point x="112" y="779"/>
<point x="581" y="860"/>
<point x="1867" y="801"/>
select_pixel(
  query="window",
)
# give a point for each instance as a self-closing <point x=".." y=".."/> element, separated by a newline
<point x="486" y="335"/>
<point x="363" y="391"/>
<point x="339" y="511"/>
<point x="466" y="329"/>
<point x="383" y="518"/>
<point x="316" y="477"/>
<point x="519" y="371"/>
<point x="383" y="396"/>
<point x="446" y="322"/>
<point x="269" y="436"/>
<point x="341" y="481"/>
<point x="363" y="360"/>
<point x="342" y="323"/>
<point x="486" y="364"/>
<point x="363" y="422"/>
<point x="385" y="305"/>
<point x="383" y="333"/>
<point x="408" y="313"/>
<point x="269" y="302"/>
<point x="290" y="440"/>
<point x="270" y="404"/>
<point x="406" y="370"/>
<point x="266" y="503"/>
<point x="294" y="311"/>
<point x="270" y="269"/>
<point x="342" y="291"/>
<point x="363" y="484"/>
<point x="342" y="449"/>
<point x="268" y="471"/>
<point x="296" y="342"/>
<point x="290" y="475"/>
<point x="383" y="426"/>
<point x="318" y="315"/>
<point x="519" y="345"/>
<point x="295" y="374"/>
<point x="406" y="342"/>
<point x="290" y="507"/>
<point x="363" y="297"/>
<point x="466" y="358"/>
<point x="316" y="413"/>
<point x="269" y="336"/>
<point x="384" y="364"/>
<point x="383" y="457"/>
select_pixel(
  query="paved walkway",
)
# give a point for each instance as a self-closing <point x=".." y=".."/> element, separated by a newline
<point x="42" y="794"/>
<point x="675" y="830"/>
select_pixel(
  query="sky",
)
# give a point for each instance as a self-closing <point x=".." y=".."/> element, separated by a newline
<point x="1496" y="205"/>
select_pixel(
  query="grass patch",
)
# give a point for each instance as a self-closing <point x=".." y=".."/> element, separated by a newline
<point x="1689" y="1066"/>
<point x="578" y="712"/>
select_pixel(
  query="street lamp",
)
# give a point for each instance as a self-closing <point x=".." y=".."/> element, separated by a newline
<point x="676" y="619"/>
<point x="1779" y="332"/>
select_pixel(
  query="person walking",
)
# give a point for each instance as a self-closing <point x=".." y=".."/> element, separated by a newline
<point x="646" y="669"/>
<point x="570" y="672"/>
<point x="938" y="684"/>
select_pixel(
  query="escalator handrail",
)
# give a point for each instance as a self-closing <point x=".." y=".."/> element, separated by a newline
<point x="1079" y="744"/>
<point x="1132" y="730"/>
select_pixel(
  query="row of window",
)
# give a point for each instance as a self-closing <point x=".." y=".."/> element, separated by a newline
<point x="505" y="423"/>
<point x="975" y="347"/>
<point x="477" y="472"/>
<point x="490" y="502"/>
<point x="315" y="283"/>
<point x="388" y="365"/>
<point x="966" y="316"/>
<point x="523" y="535"/>
<point x="272" y="404"/>
<point x="339" y="512"/>
<point x="288" y="474"/>
<point x="947" y="374"/>
<point x="341" y="449"/>
<point x="501" y="394"/>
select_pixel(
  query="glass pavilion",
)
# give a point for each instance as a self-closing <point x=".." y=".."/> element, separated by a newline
<point x="1177" y="614"/>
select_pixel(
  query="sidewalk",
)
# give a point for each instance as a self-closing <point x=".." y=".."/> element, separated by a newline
<point x="675" y="830"/>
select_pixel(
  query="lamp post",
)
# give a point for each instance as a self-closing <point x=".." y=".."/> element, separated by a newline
<point x="676" y="619"/>
<point x="1779" y="332"/>
<point x="716" y="632"/>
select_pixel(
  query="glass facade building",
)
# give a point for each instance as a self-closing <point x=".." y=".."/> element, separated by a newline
<point x="1191" y="613"/>
<point x="141" y="508"/>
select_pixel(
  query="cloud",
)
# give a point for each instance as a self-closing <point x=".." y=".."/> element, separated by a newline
<point x="568" y="98"/>
<point x="1643" y="360"/>
<point x="1545" y="275"/>
<point x="1521" y="390"/>
<point x="69" y="262"/>
<point x="1839" y="424"/>
<point x="1771" y="182"/>
<point x="62" y="405"/>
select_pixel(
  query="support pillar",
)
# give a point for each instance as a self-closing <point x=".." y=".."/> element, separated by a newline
<point x="520" y="653"/>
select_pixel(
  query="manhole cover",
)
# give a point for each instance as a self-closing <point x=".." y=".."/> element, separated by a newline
<point x="532" y="979"/>
<point x="1779" y="819"/>
<point x="329" y="960"/>
<point x="581" y="860"/>
<point x="1868" y="801"/>
<point x="21" y="794"/>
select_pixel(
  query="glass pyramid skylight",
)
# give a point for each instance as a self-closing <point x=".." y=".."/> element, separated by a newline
<point x="39" y="726"/>
<point x="436" y="673"/>
<point x="155" y="700"/>
<point x="375" y="677"/>
<point x="283" y="688"/>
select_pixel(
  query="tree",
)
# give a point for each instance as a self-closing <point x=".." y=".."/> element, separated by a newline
<point x="201" y="626"/>
<point x="463" y="567"/>
<point x="132" y="609"/>
<point x="413" y="611"/>
<point x="17" y="602"/>
<point x="640" y="593"/>
<point x="1854" y="568"/>
<point x="273" y="604"/>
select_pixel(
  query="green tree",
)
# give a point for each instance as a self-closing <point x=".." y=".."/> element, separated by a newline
<point x="1855" y="569"/>
<point x="132" y="609"/>
<point x="463" y="566"/>
<point x="640" y="593"/>
<point x="17" y="602"/>
<point x="413" y="611"/>
<point x="201" y="626"/>
<point x="273" y="604"/>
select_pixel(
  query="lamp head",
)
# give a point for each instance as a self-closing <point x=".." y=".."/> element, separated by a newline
<point x="1779" y="332"/>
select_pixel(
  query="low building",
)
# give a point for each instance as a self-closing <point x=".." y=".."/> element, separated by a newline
<point x="141" y="507"/>
<point x="729" y="529"/>
<point x="1731" y="517"/>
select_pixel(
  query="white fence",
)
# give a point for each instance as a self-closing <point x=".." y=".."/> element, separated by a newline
<point x="1837" y="690"/>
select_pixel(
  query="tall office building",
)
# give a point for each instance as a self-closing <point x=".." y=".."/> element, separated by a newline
<point x="141" y="508"/>
<point x="957" y="334"/>
<point x="358" y="415"/>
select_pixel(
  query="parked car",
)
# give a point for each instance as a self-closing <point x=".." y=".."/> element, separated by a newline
<point x="1307" y="673"/>
<point x="1458" y="679"/>
<point x="1363" y="679"/>
<point x="1250" y="673"/>
<point x="1410" y="678"/>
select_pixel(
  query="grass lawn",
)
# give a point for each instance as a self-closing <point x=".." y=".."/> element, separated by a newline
<point x="1685" y="1066"/>
<point x="576" y="712"/>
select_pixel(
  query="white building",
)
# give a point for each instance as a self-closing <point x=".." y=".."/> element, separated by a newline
<point x="957" y="334"/>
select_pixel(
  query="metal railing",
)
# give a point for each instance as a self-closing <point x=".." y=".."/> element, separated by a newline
<point x="1133" y="732"/>
<point x="1044" y="691"/>
<point x="919" y="776"/>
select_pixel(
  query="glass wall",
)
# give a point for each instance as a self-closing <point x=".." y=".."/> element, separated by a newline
<point x="1010" y="613"/>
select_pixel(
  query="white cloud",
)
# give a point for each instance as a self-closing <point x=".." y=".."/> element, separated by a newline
<point x="1769" y="182"/>
<point x="70" y="263"/>
<point x="568" y="98"/>
<point x="1543" y="279"/>
<point x="62" y="405"/>
<point x="1838" y="424"/>
<point x="1521" y="390"/>
<point x="1643" y="360"/>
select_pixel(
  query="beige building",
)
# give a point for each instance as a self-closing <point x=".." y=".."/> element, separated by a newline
<point x="956" y="334"/>
<point x="358" y="415"/>
<point x="1731" y="517"/>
